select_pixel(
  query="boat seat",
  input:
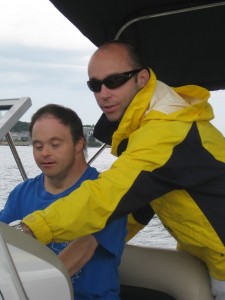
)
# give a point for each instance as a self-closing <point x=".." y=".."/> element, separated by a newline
<point x="173" y="273"/>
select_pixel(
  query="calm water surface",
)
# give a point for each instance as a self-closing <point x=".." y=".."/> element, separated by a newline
<point x="153" y="235"/>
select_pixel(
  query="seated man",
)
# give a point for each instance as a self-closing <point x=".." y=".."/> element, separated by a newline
<point x="58" y="149"/>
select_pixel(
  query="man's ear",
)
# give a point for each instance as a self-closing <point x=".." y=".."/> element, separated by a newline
<point x="143" y="78"/>
<point x="80" y="145"/>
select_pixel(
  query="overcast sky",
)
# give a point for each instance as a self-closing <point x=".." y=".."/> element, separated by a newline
<point x="43" y="56"/>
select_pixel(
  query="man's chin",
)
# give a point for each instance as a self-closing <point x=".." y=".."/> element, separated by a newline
<point x="112" y="117"/>
<point x="50" y="175"/>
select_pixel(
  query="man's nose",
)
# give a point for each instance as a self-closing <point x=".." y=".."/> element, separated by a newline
<point x="104" y="90"/>
<point x="45" y="150"/>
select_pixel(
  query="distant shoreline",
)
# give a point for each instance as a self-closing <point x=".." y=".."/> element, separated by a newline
<point x="19" y="143"/>
<point x="16" y="143"/>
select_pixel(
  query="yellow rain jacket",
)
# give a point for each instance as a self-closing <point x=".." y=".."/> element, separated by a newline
<point x="172" y="160"/>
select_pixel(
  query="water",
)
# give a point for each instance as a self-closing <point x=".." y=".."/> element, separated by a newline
<point x="153" y="235"/>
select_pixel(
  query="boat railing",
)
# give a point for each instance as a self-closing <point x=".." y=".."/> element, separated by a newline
<point x="11" y="110"/>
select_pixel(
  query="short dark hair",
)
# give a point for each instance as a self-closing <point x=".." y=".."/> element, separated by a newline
<point x="66" y="115"/>
<point x="132" y="50"/>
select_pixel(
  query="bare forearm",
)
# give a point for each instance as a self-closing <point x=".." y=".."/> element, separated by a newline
<point x="78" y="253"/>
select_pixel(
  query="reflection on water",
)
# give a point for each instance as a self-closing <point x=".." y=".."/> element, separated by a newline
<point x="153" y="235"/>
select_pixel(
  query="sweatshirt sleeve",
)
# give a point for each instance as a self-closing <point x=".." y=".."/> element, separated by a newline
<point x="84" y="211"/>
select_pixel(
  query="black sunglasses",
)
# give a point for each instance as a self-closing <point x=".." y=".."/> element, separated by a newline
<point x="112" y="81"/>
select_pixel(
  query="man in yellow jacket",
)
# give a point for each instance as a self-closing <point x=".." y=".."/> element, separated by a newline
<point x="171" y="161"/>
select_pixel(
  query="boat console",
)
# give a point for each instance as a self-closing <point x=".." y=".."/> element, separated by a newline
<point x="29" y="269"/>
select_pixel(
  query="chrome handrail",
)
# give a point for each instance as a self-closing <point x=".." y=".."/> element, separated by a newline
<point x="16" y="156"/>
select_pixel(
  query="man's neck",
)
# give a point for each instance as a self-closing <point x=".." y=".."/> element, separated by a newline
<point x="61" y="183"/>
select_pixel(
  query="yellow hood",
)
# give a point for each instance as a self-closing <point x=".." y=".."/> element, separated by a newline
<point x="159" y="101"/>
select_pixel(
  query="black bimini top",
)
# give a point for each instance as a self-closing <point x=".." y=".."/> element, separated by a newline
<point x="182" y="41"/>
